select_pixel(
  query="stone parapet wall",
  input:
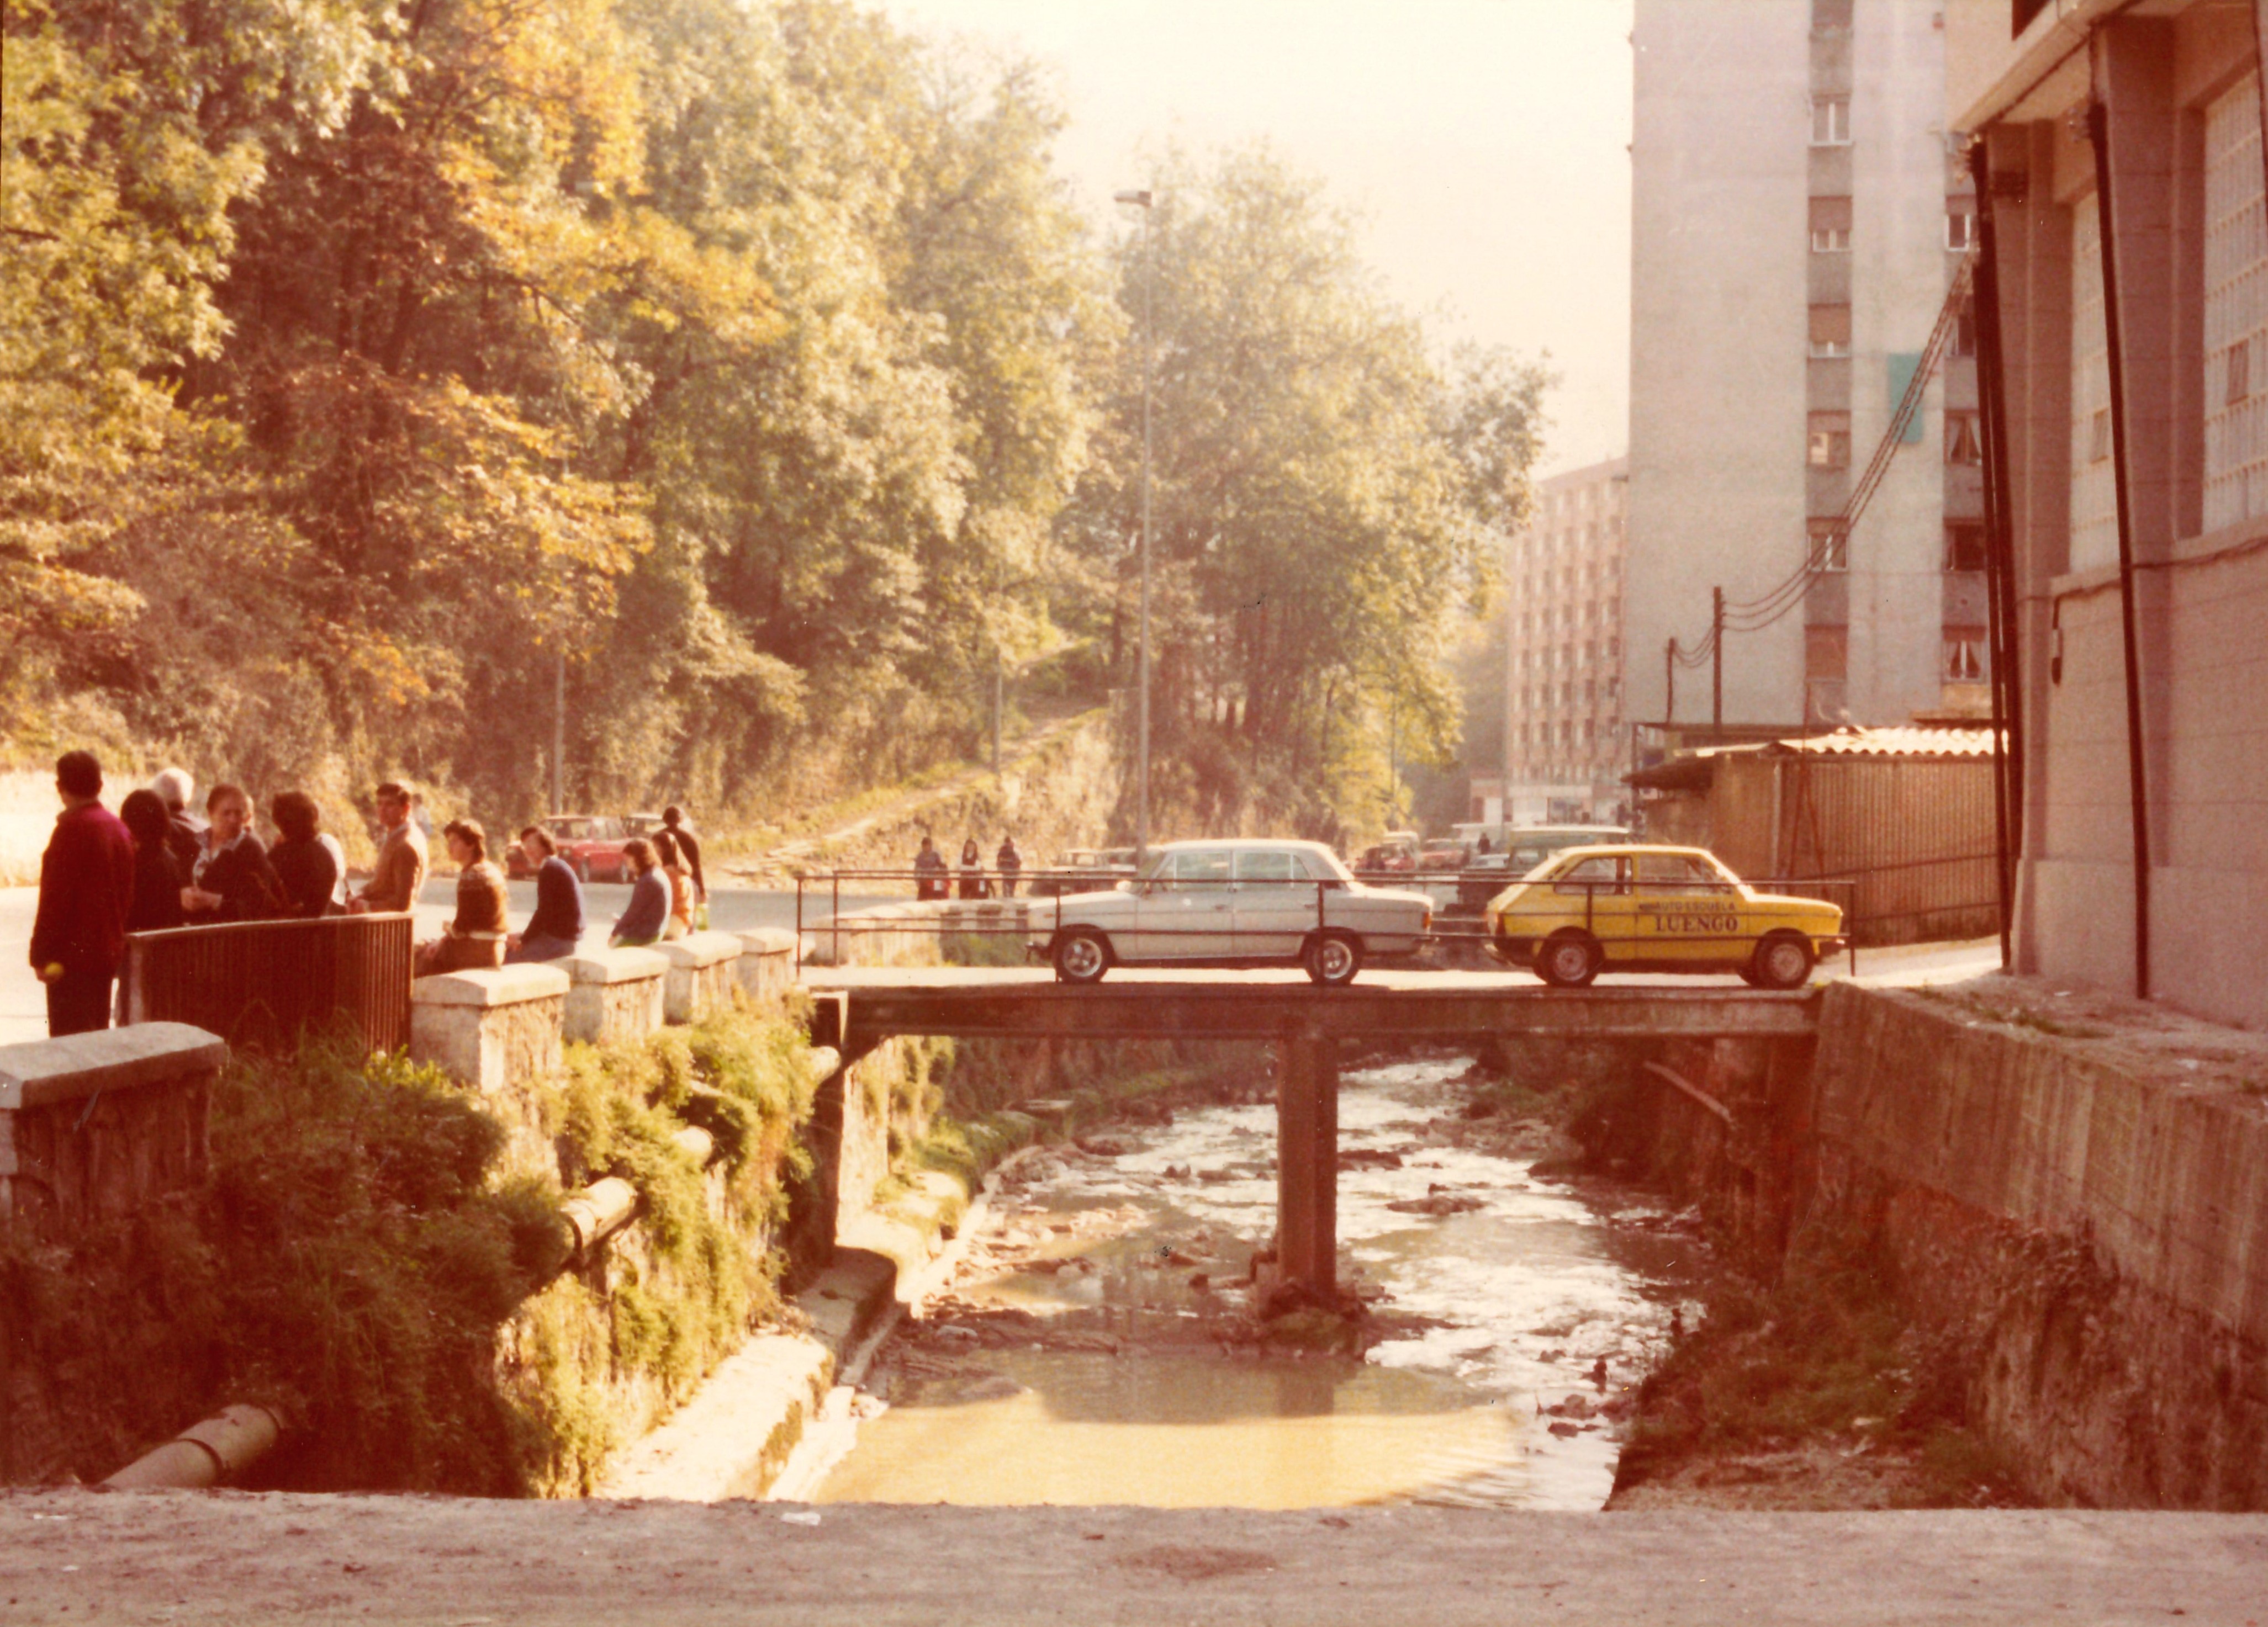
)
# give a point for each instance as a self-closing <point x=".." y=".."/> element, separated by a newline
<point x="97" y="1126"/>
<point x="492" y="1028"/>
<point x="766" y="969"/>
<point x="702" y="973"/>
<point x="613" y="994"/>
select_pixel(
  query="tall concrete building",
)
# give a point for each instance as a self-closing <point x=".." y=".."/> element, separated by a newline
<point x="1564" y="748"/>
<point x="1799" y="219"/>
<point x="2129" y="196"/>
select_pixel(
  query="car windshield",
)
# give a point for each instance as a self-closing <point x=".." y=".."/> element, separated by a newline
<point x="571" y="830"/>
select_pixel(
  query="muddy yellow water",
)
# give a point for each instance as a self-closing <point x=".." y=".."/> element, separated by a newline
<point x="1538" y="1296"/>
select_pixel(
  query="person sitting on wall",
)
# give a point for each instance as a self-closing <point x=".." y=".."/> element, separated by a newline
<point x="401" y="872"/>
<point x="86" y="887"/>
<point x="557" y="923"/>
<point x="930" y="872"/>
<point x="233" y="880"/>
<point x="474" y="938"/>
<point x="648" y="915"/>
<point x="309" y="872"/>
<point x="681" y="886"/>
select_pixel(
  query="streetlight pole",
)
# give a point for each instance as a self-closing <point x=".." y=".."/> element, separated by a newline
<point x="1142" y="201"/>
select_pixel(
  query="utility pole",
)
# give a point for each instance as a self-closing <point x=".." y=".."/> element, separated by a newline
<point x="1669" y="672"/>
<point x="559" y="735"/>
<point x="999" y="696"/>
<point x="1142" y="201"/>
<point x="1717" y="642"/>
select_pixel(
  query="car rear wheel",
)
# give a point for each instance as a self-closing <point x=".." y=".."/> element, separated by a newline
<point x="1081" y="956"/>
<point x="1784" y="960"/>
<point x="1332" y="959"/>
<point x="1569" y="961"/>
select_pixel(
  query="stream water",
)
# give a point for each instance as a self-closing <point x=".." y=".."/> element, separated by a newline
<point x="1518" y="1311"/>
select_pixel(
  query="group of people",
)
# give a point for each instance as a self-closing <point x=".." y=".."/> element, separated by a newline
<point x="154" y="864"/>
<point x="934" y="879"/>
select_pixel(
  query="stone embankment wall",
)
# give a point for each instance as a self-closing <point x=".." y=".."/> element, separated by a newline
<point x="2080" y="1225"/>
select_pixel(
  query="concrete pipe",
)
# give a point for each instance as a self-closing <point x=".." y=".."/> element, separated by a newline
<point x="697" y="1144"/>
<point x="599" y="1210"/>
<point x="207" y="1453"/>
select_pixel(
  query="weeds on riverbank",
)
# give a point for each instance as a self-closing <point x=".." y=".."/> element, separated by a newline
<point x="1818" y="1380"/>
<point x="378" y="1257"/>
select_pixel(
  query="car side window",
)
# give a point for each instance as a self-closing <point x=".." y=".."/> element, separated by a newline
<point x="1676" y="874"/>
<point x="1262" y="864"/>
<point x="1206" y="870"/>
<point x="1592" y="876"/>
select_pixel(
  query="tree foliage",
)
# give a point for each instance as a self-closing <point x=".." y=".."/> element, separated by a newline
<point x="368" y="367"/>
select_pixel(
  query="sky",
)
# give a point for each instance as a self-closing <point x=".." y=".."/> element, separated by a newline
<point x="1484" y="144"/>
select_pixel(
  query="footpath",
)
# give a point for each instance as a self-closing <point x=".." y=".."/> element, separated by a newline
<point x="79" y="1557"/>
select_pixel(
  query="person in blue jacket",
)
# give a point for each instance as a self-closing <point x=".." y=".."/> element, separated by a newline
<point x="648" y="915"/>
<point x="558" y="923"/>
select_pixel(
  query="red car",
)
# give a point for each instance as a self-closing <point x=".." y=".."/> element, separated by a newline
<point x="591" y="844"/>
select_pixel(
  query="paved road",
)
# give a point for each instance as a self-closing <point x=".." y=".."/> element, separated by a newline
<point x="189" y="1558"/>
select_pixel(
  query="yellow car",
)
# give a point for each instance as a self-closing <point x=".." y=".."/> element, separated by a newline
<point x="1641" y="908"/>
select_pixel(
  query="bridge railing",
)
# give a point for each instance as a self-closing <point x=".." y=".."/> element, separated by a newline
<point x="262" y="985"/>
<point x="1615" y="912"/>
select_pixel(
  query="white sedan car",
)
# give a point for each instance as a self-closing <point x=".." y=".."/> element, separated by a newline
<point x="1233" y="903"/>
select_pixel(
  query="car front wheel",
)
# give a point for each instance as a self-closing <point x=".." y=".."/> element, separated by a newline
<point x="1570" y="960"/>
<point x="1081" y="957"/>
<point x="1333" y="960"/>
<point x="1784" y="960"/>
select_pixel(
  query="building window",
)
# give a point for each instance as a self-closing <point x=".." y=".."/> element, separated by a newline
<point x="2240" y="372"/>
<point x="1831" y="545"/>
<point x="1960" y="228"/>
<point x="1963" y="443"/>
<point x="1831" y="226"/>
<point x="2098" y="438"/>
<point x="1826" y="651"/>
<point x="1964" y="547"/>
<point x="1830" y="440"/>
<point x="1831" y="121"/>
<point x="1964" y="655"/>
<point x="1964" y="333"/>
<point x="1831" y="331"/>
<point x="1830" y="16"/>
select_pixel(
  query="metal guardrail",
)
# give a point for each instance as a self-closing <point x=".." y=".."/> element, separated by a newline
<point x="1476" y="935"/>
<point x="260" y="985"/>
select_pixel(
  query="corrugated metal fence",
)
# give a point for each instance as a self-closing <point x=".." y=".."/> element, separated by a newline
<point x="260" y="984"/>
<point x="1914" y="833"/>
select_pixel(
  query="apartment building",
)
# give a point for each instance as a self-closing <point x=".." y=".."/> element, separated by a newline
<point x="1799" y="218"/>
<point x="1564" y="745"/>
<point x="2142" y="833"/>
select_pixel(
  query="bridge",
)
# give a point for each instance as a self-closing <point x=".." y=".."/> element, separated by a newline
<point x="857" y="1009"/>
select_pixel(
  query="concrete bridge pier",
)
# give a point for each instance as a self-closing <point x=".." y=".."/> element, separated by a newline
<point x="1306" y="1163"/>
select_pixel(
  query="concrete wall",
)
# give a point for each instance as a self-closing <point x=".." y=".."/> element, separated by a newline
<point x="2078" y="1223"/>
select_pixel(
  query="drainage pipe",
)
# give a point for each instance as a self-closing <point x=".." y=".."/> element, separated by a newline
<point x="599" y="1210"/>
<point x="2000" y="553"/>
<point x="1669" y="1076"/>
<point x="204" y="1454"/>
<point x="2098" y="131"/>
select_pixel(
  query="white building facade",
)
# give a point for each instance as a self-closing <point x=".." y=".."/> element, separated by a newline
<point x="1800" y="217"/>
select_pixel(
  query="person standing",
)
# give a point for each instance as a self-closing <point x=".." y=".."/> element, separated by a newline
<point x="401" y="873"/>
<point x="930" y="872"/>
<point x="1010" y="863"/>
<point x="86" y="888"/>
<point x="233" y="880"/>
<point x="303" y="863"/>
<point x="681" y="886"/>
<point x="689" y="850"/>
<point x="972" y="870"/>
<point x="187" y="839"/>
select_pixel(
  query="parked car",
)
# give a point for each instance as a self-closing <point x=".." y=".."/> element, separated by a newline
<point x="1234" y="903"/>
<point x="1514" y="850"/>
<point x="1083" y="870"/>
<point x="591" y="844"/>
<point x="1441" y="853"/>
<point x="1637" y="908"/>
<point x="1398" y="850"/>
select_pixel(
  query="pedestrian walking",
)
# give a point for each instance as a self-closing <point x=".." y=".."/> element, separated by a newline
<point x="401" y="872"/>
<point x="1010" y="863"/>
<point x="930" y="872"/>
<point x="558" y="923"/>
<point x="86" y="890"/>
<point x="689" y="850"/>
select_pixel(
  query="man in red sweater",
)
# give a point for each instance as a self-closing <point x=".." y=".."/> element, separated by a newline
<point x="87" y="882"/>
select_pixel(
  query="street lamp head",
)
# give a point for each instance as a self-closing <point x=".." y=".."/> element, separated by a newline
<point x="1140" y="199"/>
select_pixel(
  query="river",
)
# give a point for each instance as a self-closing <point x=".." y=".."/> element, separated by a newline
<point x="1095" y="1346"/>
